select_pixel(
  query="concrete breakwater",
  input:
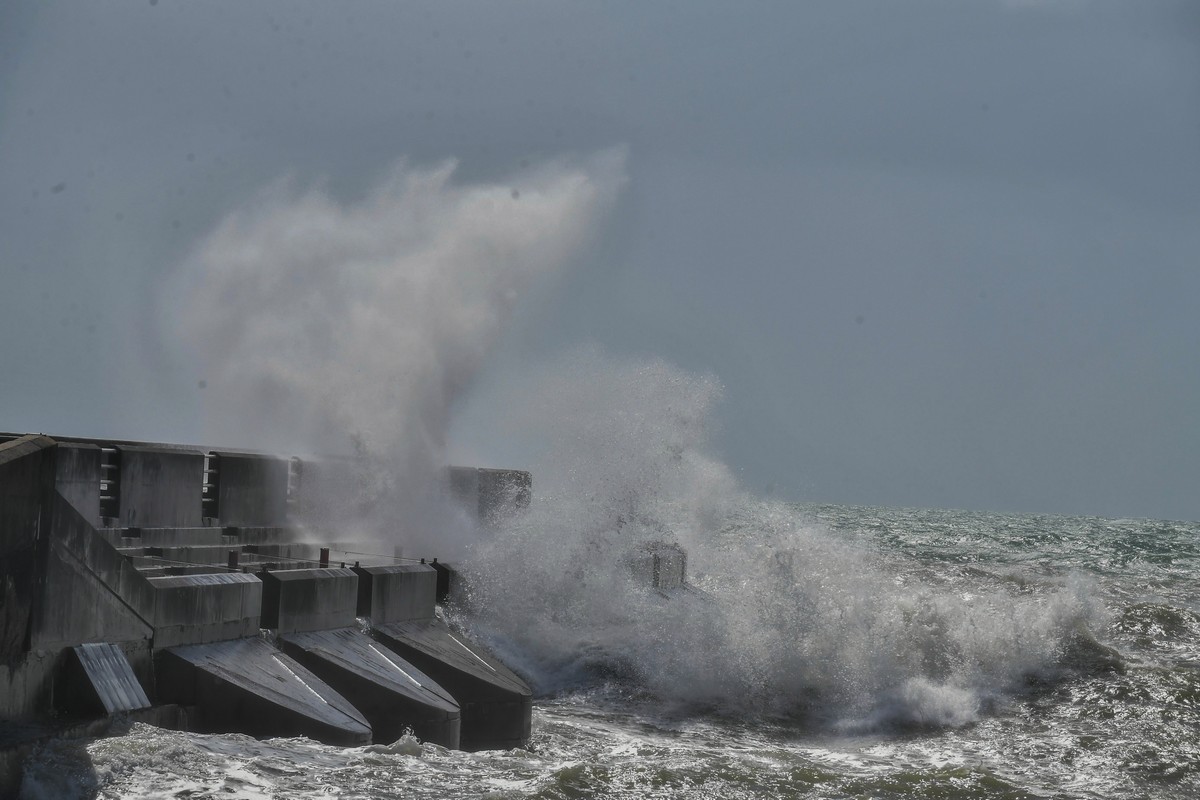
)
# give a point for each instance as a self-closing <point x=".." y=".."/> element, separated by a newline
<point x="168" y="583"/>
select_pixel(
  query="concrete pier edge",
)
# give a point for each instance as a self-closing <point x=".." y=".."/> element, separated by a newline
<point x="129" y="569"/>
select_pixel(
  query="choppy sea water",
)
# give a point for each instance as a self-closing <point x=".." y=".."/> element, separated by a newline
<point x="834" y="652"/>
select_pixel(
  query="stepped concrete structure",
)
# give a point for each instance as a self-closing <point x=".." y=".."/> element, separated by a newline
<point x="170" y="584"/>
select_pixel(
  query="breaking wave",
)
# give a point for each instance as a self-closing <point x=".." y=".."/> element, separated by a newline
<point x="783" y="618"/>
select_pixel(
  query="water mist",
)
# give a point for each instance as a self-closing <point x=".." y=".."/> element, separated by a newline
<point x="328" y="327"/>
<point x="792" y="621"/>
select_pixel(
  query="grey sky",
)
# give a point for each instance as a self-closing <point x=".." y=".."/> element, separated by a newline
<point x="939" y="253"/>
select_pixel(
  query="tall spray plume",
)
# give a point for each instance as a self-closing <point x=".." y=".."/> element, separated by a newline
<point x="329" y="327"/>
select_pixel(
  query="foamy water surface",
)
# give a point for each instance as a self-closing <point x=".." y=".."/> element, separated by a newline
<point x="1108" y="708"/>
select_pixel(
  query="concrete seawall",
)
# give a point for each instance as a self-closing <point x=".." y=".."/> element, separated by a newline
<point x="140" y="576"/>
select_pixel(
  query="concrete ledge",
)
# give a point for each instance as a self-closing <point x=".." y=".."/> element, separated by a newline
<point x="247" y="686"/>
<point x="298" y="600"/>
<point x="390" y="692"/>
<point x="191" y="609"/>
<point x="396" y="593"/>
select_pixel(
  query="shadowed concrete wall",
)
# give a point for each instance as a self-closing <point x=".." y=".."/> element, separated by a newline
<point x="69" y="587"/>
<point x="77" y="478"/>
<point x="297" y="600"/>
<point x="91" y="593"/>
<point x="160" y="487"/>
<point x="252" y="489"/>
<point x="26" y="487"/>
<point x="26" y="481"/>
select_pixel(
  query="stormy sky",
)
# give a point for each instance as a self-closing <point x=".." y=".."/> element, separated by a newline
<point x="938" y="253"/>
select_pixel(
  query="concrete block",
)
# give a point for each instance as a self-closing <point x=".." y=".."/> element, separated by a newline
<point x="659" y="565"/>
<point x="490" y="493"/>
<point x="247" y="686"/>
<point x="298" y="600"/>
<point x="160" y="487"/>
<point x="497" y="706"/>
<point x="503" y="491"/>
<point x="192" y="609"/>
<point x="670" y="566"/>
<point x="390" y="692"/>
<point x="251" y="489"/>
<point x="396" y="593"/>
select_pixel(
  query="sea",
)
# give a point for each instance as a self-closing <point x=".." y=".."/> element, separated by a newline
<point x="820" y="651"/>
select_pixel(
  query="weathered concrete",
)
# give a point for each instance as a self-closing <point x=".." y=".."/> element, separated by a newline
<point x="251" y="489"/>
<point x="446" y="579"/>
<point x="660" y="565"/>
<point x="37" y="684"/>
<point x="192" y="609"/>
<point x="99" y="680"/>
<point x="77" y="478"/>
<point x="89" y="592"/>
<point x="497" y="706"/>
<point x="396" y="593"/>
<point x="390" y="692"/>
<point x="488" y="493"/>
<point x="160" y="487"/>
<point x="298" y="600"/>
<point x="27" y="684"/>
<point x="62" y="585"/>
<point x="26" y="485"/>
<point x="247" y="686"/>
<point x="231" y="536"/>
<point x="82" y="631"/>
<point x="164" y="537"/>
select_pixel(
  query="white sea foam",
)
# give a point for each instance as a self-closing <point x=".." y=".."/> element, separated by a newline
<point x="795" y="620"/>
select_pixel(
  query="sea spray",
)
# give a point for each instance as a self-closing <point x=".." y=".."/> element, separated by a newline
<point x="354" y="327"/>
<point x="792" y="620"/>
<point x="330" y="327"/>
